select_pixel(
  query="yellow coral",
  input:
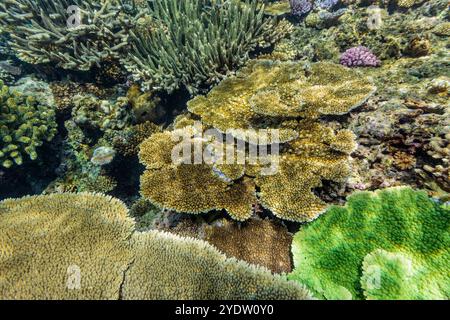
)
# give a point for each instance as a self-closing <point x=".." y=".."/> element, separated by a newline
<point x="83" y="246"/>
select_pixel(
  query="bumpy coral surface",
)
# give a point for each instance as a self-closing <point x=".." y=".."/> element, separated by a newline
<point x="399" y="238"/>
<point x="25" y="124"/>
<point x="53" y="247"/>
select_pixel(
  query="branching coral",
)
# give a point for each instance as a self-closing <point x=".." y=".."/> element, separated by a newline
<point x="25" y="124"/>
<point x="196" y="43"/>
<point x="399" y="238"/>
<point x="44" y="32"/>
<point x="83" y="246"/>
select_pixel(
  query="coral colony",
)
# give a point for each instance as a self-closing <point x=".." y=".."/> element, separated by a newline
<point x="224" y="149"/>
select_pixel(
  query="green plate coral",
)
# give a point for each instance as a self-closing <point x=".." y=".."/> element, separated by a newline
<point x="24" y="125"/>
<point x="389" y="244"/>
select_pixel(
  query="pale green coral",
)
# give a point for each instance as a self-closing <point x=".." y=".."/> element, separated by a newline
<point x="398" y="238"/>
<point x="25" y="124"/>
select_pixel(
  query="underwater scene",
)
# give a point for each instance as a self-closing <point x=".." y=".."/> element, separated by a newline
<point x="224" y="150"/>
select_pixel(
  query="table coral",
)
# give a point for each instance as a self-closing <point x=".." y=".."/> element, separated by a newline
<point x="53" y="247"/>
<point x="265" y="89"/>
<point x="410" y="229"/>
<point x="25" y="124"/>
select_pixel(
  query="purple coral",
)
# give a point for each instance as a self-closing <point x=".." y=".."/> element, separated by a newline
<point x="359" y="57"/>
<point x="300" y="7"/>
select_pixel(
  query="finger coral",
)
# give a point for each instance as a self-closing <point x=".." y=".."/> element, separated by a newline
<point x="25" y="124"/>
<point x="83" y="246"/>
<point x="196" y="43"/>
<point x="71" y="34"/>
<point x="398" y="237"/>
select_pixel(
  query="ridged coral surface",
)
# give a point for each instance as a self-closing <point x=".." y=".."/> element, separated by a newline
<point x="338" y="256"/>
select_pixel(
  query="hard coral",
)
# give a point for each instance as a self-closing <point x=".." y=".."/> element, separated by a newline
<point x="412" y="231"/>
<point x="25" y="124"/>
<point x="53" y="247"/>
<point x="44" y="32"/>
<point x="197" y="43"/>
<point x="267" y="89"/>
<point x="359" y="57"/>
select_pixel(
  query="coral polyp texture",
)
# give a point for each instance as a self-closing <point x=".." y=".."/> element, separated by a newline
<point x="53" y="247"/>
<point x="25" y="124"/>
<point x="196" y="43"/>
<point x="389" y="244"/>
<point x="71" y="34"/>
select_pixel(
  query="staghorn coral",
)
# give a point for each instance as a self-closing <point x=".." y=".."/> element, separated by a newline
<point x="196" y="43"/>
<point x="53" y="247"/>
<point x="55" y="36"/>
<point x="411" y="227"/>
<point x="265" y="89"/>
<point x="25" y="124"/>
<point x="176" y="263"/>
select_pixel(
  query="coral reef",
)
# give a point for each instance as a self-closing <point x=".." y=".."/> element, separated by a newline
<point x="58" y="244"/>
<point x="269" y="91"/>
<point x="25" y="124"/>
<point x="399" y="233"/>
<point x="197" y="43"/>
<point x="281" y="89"/>
<point x="93" y="31"/>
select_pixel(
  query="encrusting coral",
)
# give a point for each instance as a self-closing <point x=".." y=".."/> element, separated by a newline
<point x="196" y="43"/>
<point x="399" y="237"/>
<point x="53" y="247"/>
<point x="25" y="124"/>
<point x="44" y="31"/>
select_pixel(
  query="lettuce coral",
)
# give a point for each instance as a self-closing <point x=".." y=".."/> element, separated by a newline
<point x="196" y="43"/>
<point x="25" y="124"/>
<point x="389" y="244"/>
<point x="84" y="246"/>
